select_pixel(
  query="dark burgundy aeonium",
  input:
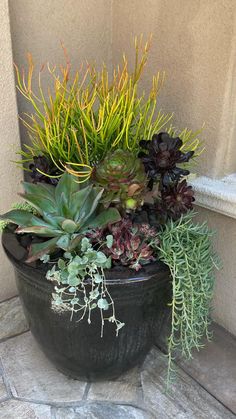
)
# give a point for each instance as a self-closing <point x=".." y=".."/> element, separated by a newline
<point x="175" y="200"/>
<point x="41" y="165"/>
<point x="160" y="156"/>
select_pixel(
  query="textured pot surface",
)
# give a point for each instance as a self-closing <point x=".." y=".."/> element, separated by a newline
<point x="76" y="348"/>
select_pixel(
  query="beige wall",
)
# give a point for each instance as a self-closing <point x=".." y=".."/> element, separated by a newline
<point x="193" y="41"/>
<point x="10" y="176"/>
<point x="224" y="311"/>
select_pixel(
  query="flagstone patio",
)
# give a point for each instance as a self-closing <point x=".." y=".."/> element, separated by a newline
<point x="30" y="387"/>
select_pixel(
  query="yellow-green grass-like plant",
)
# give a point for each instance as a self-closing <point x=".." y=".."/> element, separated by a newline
<point x="82" y="117"/>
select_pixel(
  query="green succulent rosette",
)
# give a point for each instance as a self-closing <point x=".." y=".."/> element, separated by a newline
<point x="123" y="177"/>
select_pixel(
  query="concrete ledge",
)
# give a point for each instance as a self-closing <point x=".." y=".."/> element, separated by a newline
<point x="218" y="195"/>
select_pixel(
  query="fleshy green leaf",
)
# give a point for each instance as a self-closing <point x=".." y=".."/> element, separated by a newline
<point x="39" y="249"/>
<point x="39" y="202"/>
<point x="97" y="278"/>
<point x="77" y="201"/>
<point x="39" y="230"/>
<point x="69" y="226"/>
<point x="74" y="242"/>
<point x="48" y="191"/>
<point x="19" y="217"/>
<point x="90" y="204"/>
<point x="101" y="258"/>
<point x="67" y="186"/>
<point x="61" y="264"/>
<point x="109" y="216"/>
<point x="85" y="244"/>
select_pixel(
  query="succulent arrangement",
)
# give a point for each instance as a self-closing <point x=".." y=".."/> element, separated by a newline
<point x="110" y="188"/>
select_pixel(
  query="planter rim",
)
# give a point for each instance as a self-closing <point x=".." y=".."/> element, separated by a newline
<point x="118" y="275"/>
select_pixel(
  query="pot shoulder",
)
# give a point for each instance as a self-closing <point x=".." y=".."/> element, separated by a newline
<point x="17" y="254"/>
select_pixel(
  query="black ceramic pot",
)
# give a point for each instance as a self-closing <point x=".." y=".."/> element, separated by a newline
<point x="76" y="348"/>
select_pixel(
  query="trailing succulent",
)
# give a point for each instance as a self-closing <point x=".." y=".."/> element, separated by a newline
<point x="81" y="285"/>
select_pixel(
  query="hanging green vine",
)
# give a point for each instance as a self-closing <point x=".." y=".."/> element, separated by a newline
<point x="187" y="250"/>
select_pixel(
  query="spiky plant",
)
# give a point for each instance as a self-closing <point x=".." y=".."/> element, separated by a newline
<point x="123" y="177"/>
<point x="81" y="118"/>
<point x="65" y="213"/>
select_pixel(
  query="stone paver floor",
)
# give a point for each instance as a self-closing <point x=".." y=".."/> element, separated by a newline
<point x="30" y="386"/>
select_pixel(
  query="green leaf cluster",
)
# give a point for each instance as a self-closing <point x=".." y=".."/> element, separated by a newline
<point x="186" y="248"/>
<point x="66" y="212"/>
<point x="81" y="284"/>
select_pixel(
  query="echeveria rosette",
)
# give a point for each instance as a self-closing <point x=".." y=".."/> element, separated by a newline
<point x="43" y="170"/>
<point x="160" y="157"/>
<point x="123" y="177"/>
<point x="131" y="244"/>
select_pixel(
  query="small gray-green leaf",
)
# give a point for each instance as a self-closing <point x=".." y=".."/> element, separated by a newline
<point x="109" y="239"/>
<point x="61" y="264"/>
<point x="85" y="244"/>
<point x="73" y="281"/>
<point x="94" y="294"/>
<point x="101" y="258"/>
<point x="103" y="304"/>
<point x="63" y="242"/>
<point x="97" y="278"/>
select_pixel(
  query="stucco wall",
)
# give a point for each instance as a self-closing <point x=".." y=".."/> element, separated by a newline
<point x="225" y="289"/>
<point x="10" y="176"/>
<point x="194" y="42"/>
